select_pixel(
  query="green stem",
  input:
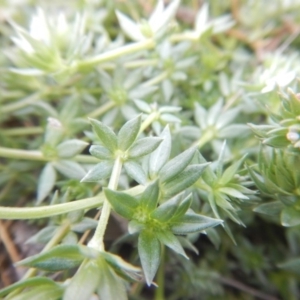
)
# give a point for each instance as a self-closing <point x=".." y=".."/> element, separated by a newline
<point x="23" y="213"/>
<point x="159" y="292"/>
<point x="97" y="240"/>
<point x="38" y="155"/>
<point x="102" y="109"/>
<point x="22" y="131"/>
<point x="206" y="137"/>
<point x="157" y="79"/>
<point x="21" y="103"/>
<point x="148" y="121"/>
<point x="140" y="63"/>
<point x="113" y="54"/>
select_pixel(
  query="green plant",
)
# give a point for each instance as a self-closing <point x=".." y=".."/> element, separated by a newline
<point x="176" y="133"/>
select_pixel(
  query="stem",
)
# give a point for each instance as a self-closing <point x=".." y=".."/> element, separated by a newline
<point x="110" y="55"/>
<point x="23" y="213"/>
<point x="207" y="136"/>
<point x="148" y="121"/>
<point x="38" y="155"/>
<point x="22" y="131"/>
<point x="21" y="103"/>
<point x="140" y="63"/>
<point x="97" y="240"/>
<point x="157" y="79"/>
<point x="101" y="110"/>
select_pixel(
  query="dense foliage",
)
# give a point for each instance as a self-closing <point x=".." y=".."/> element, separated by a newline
<point x="153" y="146"/>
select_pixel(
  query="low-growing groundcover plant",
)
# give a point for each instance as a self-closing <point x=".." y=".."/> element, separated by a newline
<point x="152" y="147"/>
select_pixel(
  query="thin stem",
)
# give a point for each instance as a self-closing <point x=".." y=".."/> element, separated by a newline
<point x="113" y="54"/>
<point x="157" y="79"/>
<point x="21" y="103"/>
<point x="102" y="109"/>
<point x="23" y="213"/>
<point x="38" y="155"/>
<point x="148" y="121"/>
<point x="22" y="131"/>
<point x="97" y="240"/>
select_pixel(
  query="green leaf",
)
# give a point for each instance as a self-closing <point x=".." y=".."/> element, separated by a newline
<point x="100" y="152"/>
<point x="183" y="180"/>
<point x="161" y="155"/>
<point x="28" y="283"/>
<point x="177" y="164"/>
<point x="135" y="171"/>
<point x="70" y="148"/>
<point x="123" y="268"/>
<point x="231" y="171"/>
<point x="46" y="182"/>
<point x="149" y="198"/>
<point x="292" y="265"/>
<point x="111" y="286"/>
<point x="105" y="134"/>
<point x="69" y="168"/>
<point x="290" y="217"/>
<point x="61" y="257"/>
<point x="171" y="241"/>
<point x="149" y="251"/>
<point x="99" y="172"/>
<point x="128" y="133"/>
<point x="271" y="208"/>
<point x="43" y="236"/>
<point x="144" y="146"/>
<point x="84" y="283"/>
<point x="135" y="226"/>
<point x="122" y="203"/>
<point x="192" y="222"/>
<point x="84" y="225"/>
<point x="48" y="292"/>
<point x="232" y="192"/>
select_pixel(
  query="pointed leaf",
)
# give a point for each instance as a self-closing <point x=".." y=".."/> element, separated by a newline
<point x="135" y="171"/>
<point x="192" y="222"/>
<point x="170" y="240"/>
<point x="122" y="203"/>
<point x="46" y="182"/>
<point x="144" y="146"/>
<point x="161" y="155"/>
<point x="99" y="172"/>
<point x="149" y="251"/>
<point x="128" y="133"/>
<point x="69" y="168"/>
<point x="232" y="192"/>
<point x="271" y="208"/>
<point x="292" y="265"/>
<point x="100" y="152"/>
<point x="105" y="134"/>
<point x="177" y="164"/>
<point x="149" y="198"/>
<point x="70" y="148"/>
<point x="183" y="180"/>
<point x="290" y="217"/>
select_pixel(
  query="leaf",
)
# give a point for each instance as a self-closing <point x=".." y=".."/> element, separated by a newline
<point x="43" y="236"/>
<point x="122" y="203"/>
<point x="192" y="222"/>
<point x="84" y="225"/>
<point x="149" y="251"/>
<point x="99" y="172"/>
<point x="171" y="241"/>
<point x="123" y="268"/>
<point x="231" y="171"/>
<point x="48" y="292"/>
<point x="183" y="180"/>
<point x="135" y="171"/>
<point x="105" y="134"/>
<point x="149" y="198"/>
<point x="46" y="182"/>
<point x="28" y="283"/>
<point x="111" y="286"/>
<point x="232" y="192"/>
<point x="128" y="133"/>
<point x="135" y="226"/>
<point x="61" y="257"/>
<point x="100" y="152"/>
<point x="84" y="283"/>
<point x="129" y="27"/>
<point x="70" y="148"/>
<point x="271" y="208"/>
<point x="290" y="217"/>
<point x="161" y="155"/>
<point x="292" y="265"/>
<point x="69" y="168"/>
<point x="144" y="146"/>
<point x="177" y="164"/>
